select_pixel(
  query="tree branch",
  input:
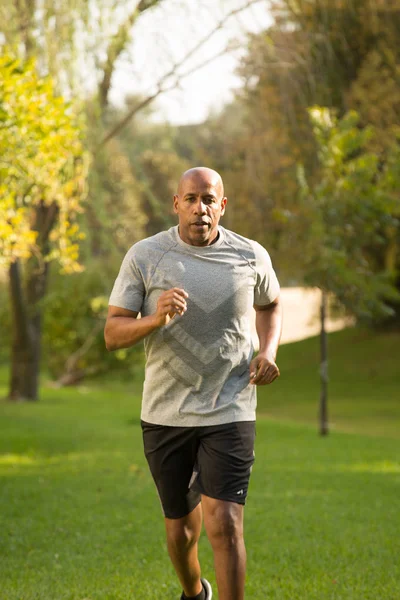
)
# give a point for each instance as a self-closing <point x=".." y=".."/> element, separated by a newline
<point x="161" y="88"/>
<point x="25" y="16"/>
<point x="72" y="373"/>
<point x="72" y="360"/>
<point x="146" y="4"/>
<point x="117" y="45"/>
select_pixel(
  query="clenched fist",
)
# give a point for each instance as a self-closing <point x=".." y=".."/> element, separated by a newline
<point x="171" y="303"/>
<point x="263" y="370"/>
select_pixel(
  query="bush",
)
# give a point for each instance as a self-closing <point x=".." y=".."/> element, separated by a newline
<point x="75" y="310"/>
<point x="74" y="313"/>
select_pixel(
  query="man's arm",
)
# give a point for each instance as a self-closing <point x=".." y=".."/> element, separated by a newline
<point x="263" y="368"/>
<point x="123" y="329"/>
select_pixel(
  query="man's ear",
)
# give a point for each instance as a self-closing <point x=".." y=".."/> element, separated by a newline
<point x="176" y="204"/>
<point x="223" y="204"/>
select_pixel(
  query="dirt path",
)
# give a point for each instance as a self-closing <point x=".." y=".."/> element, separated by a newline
<point x="301" y="315"/>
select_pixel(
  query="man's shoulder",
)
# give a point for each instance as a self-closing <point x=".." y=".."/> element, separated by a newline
<point x="152" y="246"/>
<point x="242" y="243"/>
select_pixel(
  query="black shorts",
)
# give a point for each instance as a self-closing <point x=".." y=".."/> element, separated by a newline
<point x="186" y="462"/>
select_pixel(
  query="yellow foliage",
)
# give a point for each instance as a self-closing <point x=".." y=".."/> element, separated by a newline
<point x="43" y="161"/>
<point x="99" y="304"/>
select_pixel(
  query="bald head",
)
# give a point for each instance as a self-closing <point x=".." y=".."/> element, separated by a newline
<point x="199" y="204"/>
<point x="201" y="175"/>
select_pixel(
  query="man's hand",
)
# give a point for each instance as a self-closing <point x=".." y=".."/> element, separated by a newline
<point x="263" y="370"/>
<point x="171" y="303"/>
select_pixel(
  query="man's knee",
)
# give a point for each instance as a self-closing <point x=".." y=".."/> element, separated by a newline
<point x="224" y="523"/>
<point x="180" y="534"/>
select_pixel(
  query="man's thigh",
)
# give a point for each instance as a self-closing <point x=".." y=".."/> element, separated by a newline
<point x="224" y="461"/>
<point x="171" y="453"/>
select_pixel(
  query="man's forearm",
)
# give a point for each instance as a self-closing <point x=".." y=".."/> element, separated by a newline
<point x="269" y="329"/>
<point x="123" y="332"/>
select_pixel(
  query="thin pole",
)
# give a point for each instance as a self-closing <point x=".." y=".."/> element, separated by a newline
<point x="323" y="406"/>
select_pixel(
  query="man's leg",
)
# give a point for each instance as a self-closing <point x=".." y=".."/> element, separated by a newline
<point x="224" y="526"/>
<point x="182" y="538"/>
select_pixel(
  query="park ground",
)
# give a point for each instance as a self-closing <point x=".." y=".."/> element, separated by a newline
<point x="80" y="519"/>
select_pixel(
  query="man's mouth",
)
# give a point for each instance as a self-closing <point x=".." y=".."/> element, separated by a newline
<point x="200" y="223"/>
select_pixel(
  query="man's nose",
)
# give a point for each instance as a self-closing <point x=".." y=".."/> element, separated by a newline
<point x="200" y="207"/>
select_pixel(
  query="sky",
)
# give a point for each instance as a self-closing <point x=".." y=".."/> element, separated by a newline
<point x="165" y="34"/>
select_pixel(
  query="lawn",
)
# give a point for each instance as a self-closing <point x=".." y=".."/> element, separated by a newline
<point x="364" y="386"/>
<point x="80" y="518"/>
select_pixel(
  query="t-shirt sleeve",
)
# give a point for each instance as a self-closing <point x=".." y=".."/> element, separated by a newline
<point x="267" y="285"/>
<point x="129" y="290"/>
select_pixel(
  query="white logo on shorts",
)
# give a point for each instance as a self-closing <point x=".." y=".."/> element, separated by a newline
<point x="240" y="492"/>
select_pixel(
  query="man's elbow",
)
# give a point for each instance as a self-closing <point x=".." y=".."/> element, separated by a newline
<point x="108" y="339"/>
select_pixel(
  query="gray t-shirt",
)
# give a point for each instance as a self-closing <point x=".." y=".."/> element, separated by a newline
<point x="197" y="366"/>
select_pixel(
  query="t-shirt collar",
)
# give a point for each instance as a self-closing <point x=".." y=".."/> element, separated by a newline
<point x="175" y="233"/>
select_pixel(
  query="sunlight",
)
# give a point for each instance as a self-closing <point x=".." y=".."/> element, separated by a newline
<point x="21" y="460"/>
<point x="17" y="459"/>
<point x="385" y="466"/>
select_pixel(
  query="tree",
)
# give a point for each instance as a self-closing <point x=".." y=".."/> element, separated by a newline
<point x="43" y="172"/>
<point x="343" y="55"/>
<point x="345" y="213"/>
<point x="77" y="41"/>
<point x="80" y="44"/>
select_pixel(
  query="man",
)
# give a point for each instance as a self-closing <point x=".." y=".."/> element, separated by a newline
<point x="194" y="285"/>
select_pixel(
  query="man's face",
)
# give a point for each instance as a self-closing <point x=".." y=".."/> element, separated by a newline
<point x="199" y="204"/>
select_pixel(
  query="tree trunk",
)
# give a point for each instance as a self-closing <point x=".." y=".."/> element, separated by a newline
<point x="27" y="312"/>
<point x="23" y="377"/>
<point x="391" y="251"/>
<point x="323" y="407"/>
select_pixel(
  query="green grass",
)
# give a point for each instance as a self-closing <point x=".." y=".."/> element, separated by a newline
<point x="80" y="517"/>
<point x="363" y="392"/>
